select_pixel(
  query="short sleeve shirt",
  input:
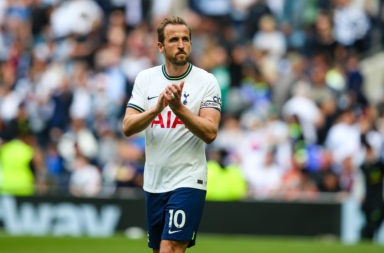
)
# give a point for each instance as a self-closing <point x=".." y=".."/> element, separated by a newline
<point x="175" y="157"/>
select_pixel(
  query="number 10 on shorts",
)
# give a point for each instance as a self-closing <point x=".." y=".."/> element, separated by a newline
<point x="176" y="218"/>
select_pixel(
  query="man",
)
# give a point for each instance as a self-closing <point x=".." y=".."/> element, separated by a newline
<point x="373" y="203"/>
<point x="178" y="105"/>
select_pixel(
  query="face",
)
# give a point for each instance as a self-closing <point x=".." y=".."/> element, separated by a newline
<point x="177" y="44"/>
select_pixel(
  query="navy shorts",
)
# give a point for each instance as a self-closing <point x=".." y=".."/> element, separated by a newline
<point x="174" y="215"/>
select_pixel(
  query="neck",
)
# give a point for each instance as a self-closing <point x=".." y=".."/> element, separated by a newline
<point x="174" y="70"/>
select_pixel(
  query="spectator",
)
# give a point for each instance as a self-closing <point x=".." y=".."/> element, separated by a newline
<point x="373" y="203"/>
<point x="125" y="170"/>
<point x="319" y="88"/>
<point x="329" y="114"/>
<point x="266" y="179"/>
<point x="255" y="91"/>
<point x="216" y="8"/>
<point x="85" y="179"/>
<point x="343" y="138"/>
<point x="295" y="17"/>
<point x="271" y="45"/>
<point x="78" y="140"/>
<point x="75" y="17"/>
<point x="216" y="61"/>
<point x="297" y="183"/>
<point x="230" y="138"/>
<point x="225" y="182"/>
<point x="355" y="82"/>
<point x="306" y="110"/>
<point x="325" y="177"/>
<point x="58" y="177"/>
<point x="322" y="41"/>
<point x="351" y="25"/>
<point x="258" y="9"/>
<point x="18" y="164"/>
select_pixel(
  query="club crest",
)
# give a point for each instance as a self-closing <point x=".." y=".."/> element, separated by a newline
<point x="185" y="98"/>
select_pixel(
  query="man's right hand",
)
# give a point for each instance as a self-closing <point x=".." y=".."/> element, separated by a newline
<point x="161" y="103"/>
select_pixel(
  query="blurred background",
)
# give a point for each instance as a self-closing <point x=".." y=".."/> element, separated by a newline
<point x="302" y="87"/>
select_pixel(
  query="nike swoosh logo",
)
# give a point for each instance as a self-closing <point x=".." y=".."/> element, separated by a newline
<point x="172" y="232"/>
<point x="149" y="98"/>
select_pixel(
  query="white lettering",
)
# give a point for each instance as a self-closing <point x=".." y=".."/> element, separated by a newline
<point x="68" y="220"/>
<point x="100" y="226"/>
<point x="35" y="220"/>
<point x="58" y="219"/>
<point x="10" y="219"/>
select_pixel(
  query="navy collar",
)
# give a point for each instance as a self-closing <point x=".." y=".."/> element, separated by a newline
<point x="176" y="77"/>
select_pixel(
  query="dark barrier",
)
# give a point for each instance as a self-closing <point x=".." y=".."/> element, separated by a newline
<point x="105" y="216"/>
<point x="272" y="218"/>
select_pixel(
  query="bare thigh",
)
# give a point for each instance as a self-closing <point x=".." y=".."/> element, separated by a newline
<point x="170" y="246"/>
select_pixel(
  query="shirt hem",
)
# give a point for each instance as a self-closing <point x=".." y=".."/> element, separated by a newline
<point x="172" y="189"/>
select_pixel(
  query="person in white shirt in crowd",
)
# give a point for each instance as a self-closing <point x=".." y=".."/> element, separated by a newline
<point x="343" y="139"/>
<point x="351" y="24"/>
<point x="303" y="106"/>
<point x="85" y="180"/>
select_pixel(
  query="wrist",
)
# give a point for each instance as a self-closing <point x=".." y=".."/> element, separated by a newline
<point x="154" y="111"/>
<point x="178" y="109"/>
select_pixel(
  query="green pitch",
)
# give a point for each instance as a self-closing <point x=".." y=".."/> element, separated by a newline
<point x="205" y="244"/>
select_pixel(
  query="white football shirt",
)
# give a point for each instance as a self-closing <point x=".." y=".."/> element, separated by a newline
<point x="175" y="157"/>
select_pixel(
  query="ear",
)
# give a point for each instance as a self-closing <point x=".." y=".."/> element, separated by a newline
<point x="160" y="47"/>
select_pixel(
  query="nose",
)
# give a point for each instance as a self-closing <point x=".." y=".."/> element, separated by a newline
<point x="180" y="44"/>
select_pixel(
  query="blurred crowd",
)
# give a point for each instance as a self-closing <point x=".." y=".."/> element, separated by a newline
<point x="295" y="121"/>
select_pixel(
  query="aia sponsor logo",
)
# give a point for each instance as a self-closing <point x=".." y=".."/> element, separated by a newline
<point x="171" y="121"/>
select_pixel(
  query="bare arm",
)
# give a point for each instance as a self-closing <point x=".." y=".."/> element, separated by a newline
<point x="135" y="122"/>
<point x="205" y="125"/>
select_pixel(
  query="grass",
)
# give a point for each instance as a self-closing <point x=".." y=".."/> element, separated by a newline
<point x="205" y="244"/>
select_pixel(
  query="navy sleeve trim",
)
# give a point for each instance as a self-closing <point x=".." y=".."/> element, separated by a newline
<point x="136" y="107"/>
<point x="208" y="107"/>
